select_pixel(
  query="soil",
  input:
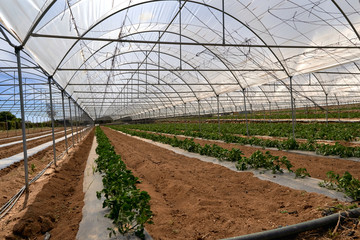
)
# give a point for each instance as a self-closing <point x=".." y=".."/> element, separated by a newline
<point x="17" y="132"/>
<point x="12" y="177"/>
<point x="18" y="148"/>
<point x="192" y="199"/>
<point x="55" y="201"/>
<point x="32" y="135"/>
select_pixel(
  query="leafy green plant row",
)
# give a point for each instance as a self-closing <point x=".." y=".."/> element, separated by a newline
<point x="256" y="160"/>
<point x="332" y="131"/>
<point x="290" y="144"/>
<point x="346" y="183"/>
<point x="129" y="207"/>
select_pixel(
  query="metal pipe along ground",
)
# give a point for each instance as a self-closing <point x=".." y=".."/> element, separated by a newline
<point x="298" y="228"/>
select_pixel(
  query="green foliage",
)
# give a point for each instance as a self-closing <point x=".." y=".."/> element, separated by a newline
<point x="346" y="183"/>
<point x="260" y="160"/>
<point x="33" y="167"/>
<point x="302" y="173"/>
<point x="129" y="207"/>
<point x="338" y="131"/>
<point x="7" y="116"/>
<point x="256" y="160"/>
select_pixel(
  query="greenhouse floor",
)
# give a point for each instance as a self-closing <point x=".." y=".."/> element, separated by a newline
<point x="55" y="201"/>
<point x="194" y="199"/>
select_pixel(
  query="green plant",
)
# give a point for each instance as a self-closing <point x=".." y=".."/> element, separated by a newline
<point x="267" y="161"/>
<point x="302" y="173"/>
<point x="33" y="167"/>
<point x="346" y="183"/>
<point x="129" y="207"/>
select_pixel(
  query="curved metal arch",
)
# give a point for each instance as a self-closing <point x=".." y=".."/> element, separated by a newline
<point x="151" y="101"/>
<point x="175" y="33"/>
<point x="161" y="81"/>
<point x="207" y="5"/>
<point x="347" y="19"/>
<point x="173" y="72"/>
<point x="156" y="93"/>
<point x="168" y="54"/>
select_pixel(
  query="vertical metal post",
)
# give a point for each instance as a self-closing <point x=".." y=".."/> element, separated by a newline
<point x="63" y="107"/>
<point x="327" y="110"/>
<point x="199" y="115"/>
<point x="269" y="111"/>
<point x="186" y="125"/>
<point x="17" y="52"/>
<point x="159" y="59"/>
<point x="174" y="111"/>
<point x="292" y="109"/>
<point x="71" y="124"/>
<point x="76" y="124"/>
<point x="79" y="119"/>
<point x="6" y="125"/>
<point x="218" y="113"/>
<point x="246" y="118"/>
<point x="223" y="21"/>
<point x="180" y="33"/>
<point x="52" y="120"/>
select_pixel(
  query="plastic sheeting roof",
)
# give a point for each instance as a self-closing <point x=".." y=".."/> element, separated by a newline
<point x="129" y="58"/>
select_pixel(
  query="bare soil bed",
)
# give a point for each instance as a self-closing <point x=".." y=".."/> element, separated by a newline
<point x="192" y="199"/>
<point x="18" y="148"/>
<point x="55" y="201"/>
<point x="317" y="166"/>
<point x="12" y="177"/>
<point x="17" y="132"/>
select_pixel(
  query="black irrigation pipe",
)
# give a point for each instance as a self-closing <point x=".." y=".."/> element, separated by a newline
<point x="300" y="227"/>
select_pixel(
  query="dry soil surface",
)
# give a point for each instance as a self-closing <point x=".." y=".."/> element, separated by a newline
<point x="55" y="201"/>
<point x="192" y="199"/>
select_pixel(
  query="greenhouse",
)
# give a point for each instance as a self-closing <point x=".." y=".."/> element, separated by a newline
<point x="179" y="119"/>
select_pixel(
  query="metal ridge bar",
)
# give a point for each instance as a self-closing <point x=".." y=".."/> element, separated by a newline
<point x="191" y="43"/>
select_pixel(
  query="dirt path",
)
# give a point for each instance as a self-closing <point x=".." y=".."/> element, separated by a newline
<point x="12" y="177"/>
<point x="317" y="166"/>
<point x="55" y="202"/>
<point x="17" y="132"/>
<point x="18" y="148"/>
<point x="192" y="199"/>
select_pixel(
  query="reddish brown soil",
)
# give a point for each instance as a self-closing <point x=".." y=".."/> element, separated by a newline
<point x="28" y="136"/>
<point x="192" y="199"/>
<point x="57" y="207"/>
<point x="17" y="132"/>
<point x="316" y="166"/>
<point x="12" y="177"/>
<point x="18" y="148"/>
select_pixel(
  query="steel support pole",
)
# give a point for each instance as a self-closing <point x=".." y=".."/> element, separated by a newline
<point x="338" y="103"/>
<point x="292" y="108"/>
<point x="186" y="125"/>
<point x="63" y="107"/>
<point x="174" y="111"/>
<point x="17" y="52"/>
<point x="269" y="111"/>
<point x="327" y="110"/>
<point x="76" y="124"/>
<point x="218" y="113"/>
<point x="79" y="119"/>
<point x="71" y="124"/>
<point x="199" y="115"/>
<point x="246" y="118"/>
<point x="6" y="126"/>
<point x="52" y="120"/>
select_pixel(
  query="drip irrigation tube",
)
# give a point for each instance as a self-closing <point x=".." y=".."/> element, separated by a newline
<point x="300" y="227"/>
